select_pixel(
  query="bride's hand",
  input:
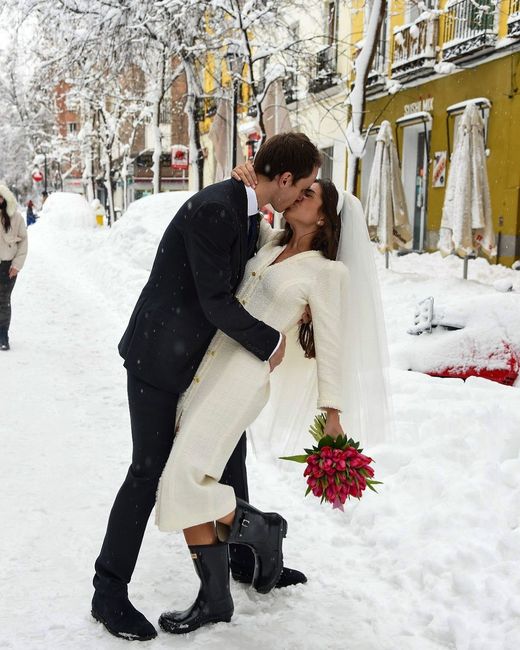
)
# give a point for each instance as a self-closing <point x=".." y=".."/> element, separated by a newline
<point x="333" y="426"/>
<point x="246" y="174"/>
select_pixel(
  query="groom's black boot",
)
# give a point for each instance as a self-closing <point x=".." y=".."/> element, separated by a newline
<point x="120" y="617"/>
<point x="213" y="603"/>
<point x="242" y="565"/>
<point x="263" y="532"/>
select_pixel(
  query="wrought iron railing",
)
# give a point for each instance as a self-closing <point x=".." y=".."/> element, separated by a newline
<point x="469" y="27"/>
<point x="290" y="87"/>
<point x="326" y="70"/>
<point x="513" y="21"/>
<point x="414" y="47"/>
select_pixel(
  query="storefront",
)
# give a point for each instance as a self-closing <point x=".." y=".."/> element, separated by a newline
<point x="424" y="119"/>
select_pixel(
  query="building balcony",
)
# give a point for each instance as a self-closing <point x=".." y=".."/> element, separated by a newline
<point x="470" y="29"/>
<point x="414" y="49"/>
<point x="290" y="88"/>
<point x="376" y="79"/>
<point x="326" y="74"/>
<point x="513" y="22"/>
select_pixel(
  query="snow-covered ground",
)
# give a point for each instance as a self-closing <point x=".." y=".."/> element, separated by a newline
<point x="430" y="562"/>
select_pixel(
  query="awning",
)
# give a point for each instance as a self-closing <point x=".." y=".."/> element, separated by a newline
<point x="481" y="102"/>
<point x="421" y="117"/>
<point x="414" y="118"/>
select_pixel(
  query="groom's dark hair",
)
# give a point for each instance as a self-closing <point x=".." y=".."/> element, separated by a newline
<point x="287" y="152"/>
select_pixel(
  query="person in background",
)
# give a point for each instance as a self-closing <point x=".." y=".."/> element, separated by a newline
<point x="13" y="251"/>
<point x="30" y="217"/>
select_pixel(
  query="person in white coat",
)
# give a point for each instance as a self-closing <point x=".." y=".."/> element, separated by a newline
<point x="295" y="268"/>
<point x="13" y="251"/>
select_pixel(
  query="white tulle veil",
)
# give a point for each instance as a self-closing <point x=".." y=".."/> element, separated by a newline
<point x="282" y="427"/>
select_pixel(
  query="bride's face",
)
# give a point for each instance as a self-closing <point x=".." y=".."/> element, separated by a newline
<point x="306" y="210"/>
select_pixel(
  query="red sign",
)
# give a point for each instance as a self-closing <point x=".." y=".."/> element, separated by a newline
<point x="180" y="157"/>
<point x="37" y="176"/>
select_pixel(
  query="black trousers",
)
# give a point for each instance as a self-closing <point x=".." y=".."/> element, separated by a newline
<point x="152" y="417"/>
<point x="6" y="288"/>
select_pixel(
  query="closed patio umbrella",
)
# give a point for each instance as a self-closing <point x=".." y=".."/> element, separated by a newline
<point x="467" y="226"/>
<point x="385" y="208"/>
<point x="220" y="135"/>
<point x="276" y="113"/>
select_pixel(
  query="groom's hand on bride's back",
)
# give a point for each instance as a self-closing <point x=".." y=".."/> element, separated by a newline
<point x="278" y="356"/>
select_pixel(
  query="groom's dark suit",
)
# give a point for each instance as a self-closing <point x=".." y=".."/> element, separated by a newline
<point x="190" y="294"/>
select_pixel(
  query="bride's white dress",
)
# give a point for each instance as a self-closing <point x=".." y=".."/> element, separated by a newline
<point x="232" y="386"/>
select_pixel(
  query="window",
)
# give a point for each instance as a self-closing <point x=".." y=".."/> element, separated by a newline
<point x="72" y="127"/>
<point x="327" y="155"/>
<point x="414" y="9"/>
<point x="332" y="22"/>
<point x="455" y="111"/>
<point x="165" y="114"/>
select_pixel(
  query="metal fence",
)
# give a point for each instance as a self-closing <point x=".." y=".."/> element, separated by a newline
<point x="468" y="18"/>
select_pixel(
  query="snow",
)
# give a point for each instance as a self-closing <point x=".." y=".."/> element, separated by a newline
<point x="444" y="67"/>
<point x="66" y="210"/>
<point x="429" y="563"/>
<point x="420" y="116"/>
<point x="481" y="102"/>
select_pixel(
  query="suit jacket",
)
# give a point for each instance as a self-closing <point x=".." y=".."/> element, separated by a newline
<point x="190" y="293"/>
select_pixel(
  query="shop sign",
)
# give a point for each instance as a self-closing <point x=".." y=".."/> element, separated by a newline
<point x="179" y="157"/>
<point x="425" y="104"/>
<point x="439" y="169"/>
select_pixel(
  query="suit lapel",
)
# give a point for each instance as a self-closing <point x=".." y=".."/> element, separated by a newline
<point x="240" y="205"/>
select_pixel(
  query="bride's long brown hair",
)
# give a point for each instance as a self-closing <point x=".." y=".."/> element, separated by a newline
<point x="326" y="241"/>
<point x="5" y="220"/>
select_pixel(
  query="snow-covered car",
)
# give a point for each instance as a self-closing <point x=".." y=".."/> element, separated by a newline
<point x="476" y="336"/>
<point x="67" y="210"/>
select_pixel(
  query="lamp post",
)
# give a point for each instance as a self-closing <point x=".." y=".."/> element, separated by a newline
<point x="43" y="148"/>
<point x="45" y="171"/>
<point x="233" y="63"/>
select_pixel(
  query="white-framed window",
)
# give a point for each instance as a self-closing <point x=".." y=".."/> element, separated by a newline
<point x="332" y="21"/>
<point x="72" y="127"/>
<point x="414" y="8"/>
<point x="455" y="113"/>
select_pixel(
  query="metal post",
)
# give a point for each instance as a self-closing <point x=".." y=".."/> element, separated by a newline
<point x="234" y="130"/>
<point x="45" y="171"/>
<point x="465" y="268"/>
<point x="387" y="259"/>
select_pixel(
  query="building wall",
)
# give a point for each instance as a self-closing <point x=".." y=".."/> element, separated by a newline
<point x="494" y="81"/>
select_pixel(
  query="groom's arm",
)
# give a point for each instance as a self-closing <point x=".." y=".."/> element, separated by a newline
<point x="209" y="238"/>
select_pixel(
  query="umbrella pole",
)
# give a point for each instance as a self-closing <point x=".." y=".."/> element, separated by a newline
<point x="387" y="259"/>
<point x="465" y="268"/>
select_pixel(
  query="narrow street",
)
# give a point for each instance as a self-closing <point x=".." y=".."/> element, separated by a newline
<point x="391" y="572"/>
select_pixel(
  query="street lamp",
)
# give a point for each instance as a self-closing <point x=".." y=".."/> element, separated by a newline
<point x="234" y="68"/>
<point x="44" y="150"/>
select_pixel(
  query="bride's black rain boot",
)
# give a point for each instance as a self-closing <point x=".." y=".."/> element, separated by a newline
<point x="213" y="603"/>
<point x="4" y="338"/>
<point x="263" y="532"/>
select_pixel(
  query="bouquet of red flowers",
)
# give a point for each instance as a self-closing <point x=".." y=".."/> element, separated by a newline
<point x="336" y="469"/>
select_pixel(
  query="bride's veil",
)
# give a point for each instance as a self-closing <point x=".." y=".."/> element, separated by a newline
<point x="282" y="427"/>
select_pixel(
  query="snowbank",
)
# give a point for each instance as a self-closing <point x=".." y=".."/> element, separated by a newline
<point x="429" y="563"/>
<point x="66" y="210"/>
<point x="122" y="256"/>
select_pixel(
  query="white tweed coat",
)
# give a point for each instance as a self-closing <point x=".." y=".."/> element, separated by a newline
<point x="13" y="244"/>
<point x="232" y="386"/>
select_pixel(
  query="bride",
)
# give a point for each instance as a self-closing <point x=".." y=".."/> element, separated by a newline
<point x="296" y="267"/>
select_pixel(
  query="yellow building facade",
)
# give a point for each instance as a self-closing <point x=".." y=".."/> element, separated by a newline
<point x="442" y="59"/>
<point x="432" y="58"/>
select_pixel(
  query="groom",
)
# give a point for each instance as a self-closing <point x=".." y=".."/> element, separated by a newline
<point x="189" y="295"/>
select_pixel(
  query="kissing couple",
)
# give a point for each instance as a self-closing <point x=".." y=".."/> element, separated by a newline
<point x="207" y="330"/>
